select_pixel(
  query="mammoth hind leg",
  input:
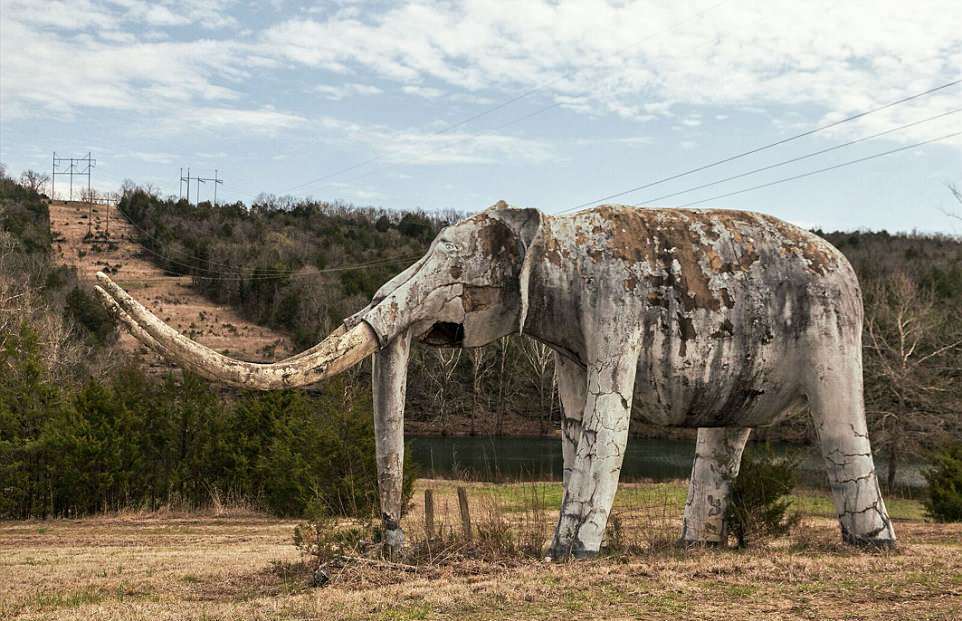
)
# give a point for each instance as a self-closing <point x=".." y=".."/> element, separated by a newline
<point x="838" y="411"/>
<point x="718" y="454"/>
<point x="572" y="384"/>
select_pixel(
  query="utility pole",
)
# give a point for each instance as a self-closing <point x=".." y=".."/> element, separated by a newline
<point x="186" y="180"/>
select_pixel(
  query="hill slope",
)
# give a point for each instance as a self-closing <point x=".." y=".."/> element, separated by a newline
<point x="81" y="240"/>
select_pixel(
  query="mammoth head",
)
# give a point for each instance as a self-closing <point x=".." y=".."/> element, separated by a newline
<point x="469" y="289"/>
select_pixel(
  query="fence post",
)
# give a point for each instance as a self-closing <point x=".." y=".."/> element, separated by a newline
<point x="429" y="514"/>
<point x="465" y="514"/>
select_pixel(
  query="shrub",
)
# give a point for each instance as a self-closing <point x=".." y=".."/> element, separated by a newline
<point x="758" y="505"/>
<point x="90" y="314"/>
<point x="320" y="540"/>
<point x="944" y="502"/>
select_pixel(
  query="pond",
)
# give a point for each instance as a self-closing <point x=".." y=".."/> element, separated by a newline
<point x="493" y="459"/>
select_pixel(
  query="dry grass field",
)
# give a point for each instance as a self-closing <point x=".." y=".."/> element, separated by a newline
<point x="237" y="564"/>
<point x="81" y="239"/>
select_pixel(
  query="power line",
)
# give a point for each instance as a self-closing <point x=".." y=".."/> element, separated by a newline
<point x="763" y="147"/>
<point x="821" y="170"/>
<point x="798" y="159"/>
<point x="499" y="106"/>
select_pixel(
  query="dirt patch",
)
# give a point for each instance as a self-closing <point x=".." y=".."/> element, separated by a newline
<point x="92" y="238"/>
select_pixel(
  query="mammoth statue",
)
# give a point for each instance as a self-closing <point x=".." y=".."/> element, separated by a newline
<point x="720" y="320"/>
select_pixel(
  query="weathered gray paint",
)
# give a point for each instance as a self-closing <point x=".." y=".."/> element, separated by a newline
<point x="708" y="319"/>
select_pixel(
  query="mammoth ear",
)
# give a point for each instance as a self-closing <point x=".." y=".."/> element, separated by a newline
<point x="527" y="226"/>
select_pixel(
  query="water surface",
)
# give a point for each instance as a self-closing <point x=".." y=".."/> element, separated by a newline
<point x="537" y="458"/>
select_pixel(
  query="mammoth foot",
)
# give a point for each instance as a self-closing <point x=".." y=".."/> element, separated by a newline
<point x="688" y="544"/>
<point x="869" y="542"/>
<point x="559" y="553"/>
<point x="393" y="541"/>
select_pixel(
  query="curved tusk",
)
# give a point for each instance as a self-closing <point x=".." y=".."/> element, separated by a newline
<point x="141" y="335"/>
<point x="338" y="352"/>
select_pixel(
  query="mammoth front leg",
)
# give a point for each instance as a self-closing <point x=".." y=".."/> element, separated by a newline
<point x="718" y="454"/>
<point x="593" y="480"/>
<point x="390" y="384"/>
<point x="572" y="384"/>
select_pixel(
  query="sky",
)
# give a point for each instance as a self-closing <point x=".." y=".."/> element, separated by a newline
<point x="459" y="104"/>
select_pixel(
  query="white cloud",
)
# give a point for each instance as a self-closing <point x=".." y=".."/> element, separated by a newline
<point x="624" y="140"/>
<point x="153" y="158"/>
<point x="113" y="14"/>
<point x="56" y="74"/>
<point x="423" y="91"/>
<point x="418" y="147"/>
<point x="835" y="58"/>
<point x="336" y="93"/>
<point x="264" y="120"/>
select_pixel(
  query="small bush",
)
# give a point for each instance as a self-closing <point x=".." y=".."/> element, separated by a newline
<point x="91" y="315"/>
<point x="320" y="541"/>
<point x="944" y="502"/>
<point x="759" y="506"/>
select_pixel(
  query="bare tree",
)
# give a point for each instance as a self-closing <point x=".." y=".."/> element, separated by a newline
<point x="441" y="373"/>
<point x="540" y="361"/>
<point x="33" y="180"/>
<point x="506" y="382"/>
<point x="88" y="196"/>
<point x="482" y="363"/>
<point x="908" y="338"/>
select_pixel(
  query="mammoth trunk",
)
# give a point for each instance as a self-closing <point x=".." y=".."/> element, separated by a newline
<point x="390" y="382"/>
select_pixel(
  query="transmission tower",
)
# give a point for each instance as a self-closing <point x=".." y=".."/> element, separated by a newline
<point x="216" y="180"/>
<point x="70" y="166"/>
<point x="185" y="184"/>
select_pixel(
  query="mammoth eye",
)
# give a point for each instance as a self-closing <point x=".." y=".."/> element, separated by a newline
<point x="449" y="247"/>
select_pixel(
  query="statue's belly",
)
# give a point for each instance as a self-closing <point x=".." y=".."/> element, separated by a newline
<point x="703" y="376"/>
